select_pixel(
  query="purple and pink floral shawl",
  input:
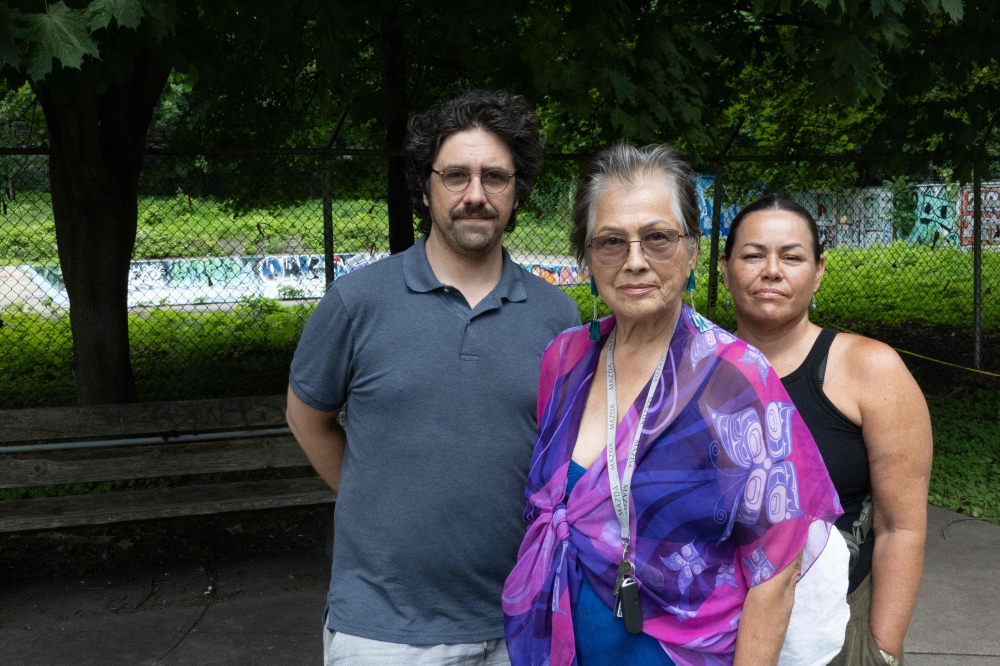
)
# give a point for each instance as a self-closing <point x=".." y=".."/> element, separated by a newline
<point x="727" y="483"/>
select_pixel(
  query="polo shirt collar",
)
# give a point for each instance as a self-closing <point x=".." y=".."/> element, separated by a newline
<point x="417" y="270"/>
<point x="420" y="278"/>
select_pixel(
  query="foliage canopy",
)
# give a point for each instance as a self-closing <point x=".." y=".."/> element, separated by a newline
<point x="807" y="74"/>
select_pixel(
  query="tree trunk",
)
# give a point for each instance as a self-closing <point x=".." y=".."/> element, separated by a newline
<point x="397" y="111"/>
<point x="97" y="139"/>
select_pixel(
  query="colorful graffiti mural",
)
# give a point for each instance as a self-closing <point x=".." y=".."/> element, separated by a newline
<point x="560" y="274"/>
<point x="876" y="227"/>
<point x="863" y="217"/>
<point x="297" y="269"/>
<point x="858" y="218"/>
<point x="705" y="202"/>
<point x="936" y="222"/>
<point x="200" y="280"/>
<point x="990" y="210"/>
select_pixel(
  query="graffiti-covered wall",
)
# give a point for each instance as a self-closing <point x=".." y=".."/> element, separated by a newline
<point x="937" y="220"/>
<point x="990" y="209"/>
<point x="932" y="214"/>
<point x="230" y="279"/>
<point x="217" y="279"/>
<point x="705" y="200"/>
<point x="560" y="273"/>
<point x="859" y="218"/>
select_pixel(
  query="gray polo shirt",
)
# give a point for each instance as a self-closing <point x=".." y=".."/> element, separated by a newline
<point x="440" y="404"/>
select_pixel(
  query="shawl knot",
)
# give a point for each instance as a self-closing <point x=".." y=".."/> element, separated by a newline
<point x="559" y="522"/>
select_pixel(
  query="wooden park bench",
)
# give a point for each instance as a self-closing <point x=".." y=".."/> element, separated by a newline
<point x="68" y="445"/>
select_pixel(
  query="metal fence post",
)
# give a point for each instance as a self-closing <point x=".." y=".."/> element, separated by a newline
<point x="713" y="255"/>
<point x="327" y="221"/>
<point x="977" y="265"/>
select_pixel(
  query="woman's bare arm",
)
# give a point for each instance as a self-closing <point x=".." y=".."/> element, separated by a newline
<point x="896" y="428"/>
<point x="765" y="616"/>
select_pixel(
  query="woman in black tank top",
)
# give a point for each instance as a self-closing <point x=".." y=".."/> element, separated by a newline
<point x="840" y="442"/>
<point x="863" y="408"/>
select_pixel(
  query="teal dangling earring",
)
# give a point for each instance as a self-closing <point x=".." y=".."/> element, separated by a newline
<point x="595" y="326"/>
<point x="690" y="289"/>
<point x="813" y="304"/>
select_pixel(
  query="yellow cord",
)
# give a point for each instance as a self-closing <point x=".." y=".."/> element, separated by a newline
<point x="928" y="358"/>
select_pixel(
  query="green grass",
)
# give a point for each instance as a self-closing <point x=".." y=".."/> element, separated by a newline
<point x="243" y="350"/>
<point x="966" y="473"/>
<point x="179" y="226"/>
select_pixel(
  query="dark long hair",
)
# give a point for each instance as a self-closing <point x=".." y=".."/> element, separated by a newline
<point x="510" y="117"/>
<point x="774" y="203"/>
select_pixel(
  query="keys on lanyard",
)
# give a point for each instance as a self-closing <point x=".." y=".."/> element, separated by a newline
<point x="627" y="595"/>
<point x="627" y="604"/>
<point x="625" y="568"/>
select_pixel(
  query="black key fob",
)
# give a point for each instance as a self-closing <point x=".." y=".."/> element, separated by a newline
<point x="628" y="608"/>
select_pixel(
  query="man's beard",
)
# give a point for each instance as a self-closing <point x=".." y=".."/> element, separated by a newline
<point x="474" y="239"/>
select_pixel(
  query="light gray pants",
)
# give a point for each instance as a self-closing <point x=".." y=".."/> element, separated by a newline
<point x="340" y="649"/>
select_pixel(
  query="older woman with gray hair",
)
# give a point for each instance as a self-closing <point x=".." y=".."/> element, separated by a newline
<point x="674" y="494"/>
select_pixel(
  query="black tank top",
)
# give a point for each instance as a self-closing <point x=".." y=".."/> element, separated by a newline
<point x="839" y="442"/>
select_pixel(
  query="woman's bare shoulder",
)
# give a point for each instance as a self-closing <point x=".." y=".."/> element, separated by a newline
<point x="865" y="356"/>
<point x="873" y="369"/>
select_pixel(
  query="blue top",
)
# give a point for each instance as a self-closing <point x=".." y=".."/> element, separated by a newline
<point x="440" y="419"/>
<point x="601" y="639"/>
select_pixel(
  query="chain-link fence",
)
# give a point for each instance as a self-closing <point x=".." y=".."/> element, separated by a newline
<point x="233" y="249"/>
<point x="900" y="248"/>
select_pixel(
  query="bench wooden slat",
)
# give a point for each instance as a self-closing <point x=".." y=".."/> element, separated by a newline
<point x="119" y="507"/>
<point x="141" y="419"/>
<point x="43" y="468"/>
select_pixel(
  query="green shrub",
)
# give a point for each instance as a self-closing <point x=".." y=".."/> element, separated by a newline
<point x="176" y="354"/>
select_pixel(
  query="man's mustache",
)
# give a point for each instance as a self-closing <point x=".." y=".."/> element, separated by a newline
<point x="481" y="212"/>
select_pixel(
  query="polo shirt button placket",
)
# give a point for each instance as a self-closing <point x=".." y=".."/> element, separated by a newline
<point x="464" y="352"/>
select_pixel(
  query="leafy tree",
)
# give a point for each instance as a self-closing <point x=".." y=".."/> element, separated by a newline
<point x="943" y="89"/>
<point x="97" y="102"/>
<point x="822" y="83"/>
<point x="270" y="74"/>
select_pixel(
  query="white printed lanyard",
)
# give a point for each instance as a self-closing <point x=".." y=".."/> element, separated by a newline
<point x="620" y="490"/>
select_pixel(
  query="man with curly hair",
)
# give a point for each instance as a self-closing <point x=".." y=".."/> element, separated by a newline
<point x="434" y="355"/>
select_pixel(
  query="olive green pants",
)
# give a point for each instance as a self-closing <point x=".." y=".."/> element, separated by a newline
<point x="859" y="644"/>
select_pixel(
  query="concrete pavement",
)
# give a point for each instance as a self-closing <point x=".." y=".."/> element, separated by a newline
<point x="957" y="620"/>
<point x="268" y="610"/>
<point x="255" y="613"/>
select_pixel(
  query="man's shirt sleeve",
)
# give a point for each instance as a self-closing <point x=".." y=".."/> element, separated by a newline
<point x="321" y="368"/>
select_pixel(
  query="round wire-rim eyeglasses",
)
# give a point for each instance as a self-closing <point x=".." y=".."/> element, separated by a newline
<point x="494" y="181"/>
